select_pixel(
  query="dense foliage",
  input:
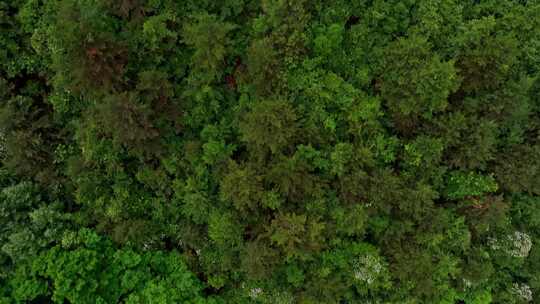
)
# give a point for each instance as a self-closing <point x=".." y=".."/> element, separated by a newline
<point x="272" y="151"/>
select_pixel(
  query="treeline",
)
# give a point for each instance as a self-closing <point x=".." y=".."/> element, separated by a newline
<point x="273" y="151"/>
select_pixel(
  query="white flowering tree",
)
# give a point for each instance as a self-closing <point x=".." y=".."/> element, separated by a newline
<point x="517" y="244"/>
<point x="357" y="267"/>
<point x="522" y="291"/>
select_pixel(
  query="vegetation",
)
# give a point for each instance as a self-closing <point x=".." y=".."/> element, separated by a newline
<point x="274" y="151"/>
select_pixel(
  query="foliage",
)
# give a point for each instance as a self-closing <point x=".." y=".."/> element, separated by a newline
<point x="88" y="269"/>
<point x="269" y="151"/>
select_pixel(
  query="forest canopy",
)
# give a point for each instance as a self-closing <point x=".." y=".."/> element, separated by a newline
<point x="270" y="151"/>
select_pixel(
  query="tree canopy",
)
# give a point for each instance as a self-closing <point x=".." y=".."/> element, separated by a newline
<point x="273" y="151"/>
